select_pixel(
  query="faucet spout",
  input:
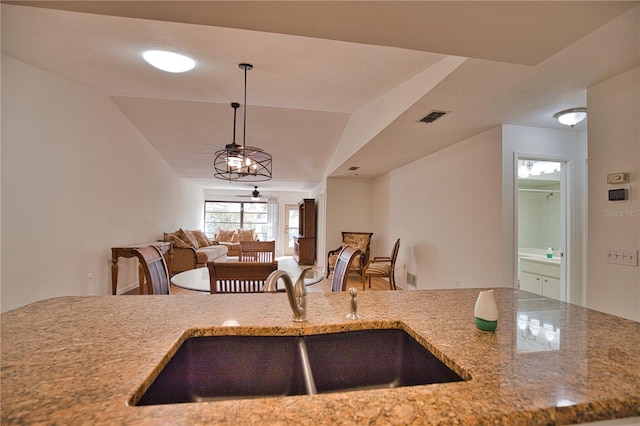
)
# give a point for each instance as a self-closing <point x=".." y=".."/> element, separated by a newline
<point x="297" y="294"/>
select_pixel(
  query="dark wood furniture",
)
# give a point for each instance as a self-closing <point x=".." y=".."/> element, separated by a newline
<point x="304" y="244"/>
<point x="154" y="268"/>
<point x="127" y="252"/>
<point x="257" y="251"/>
<point x="239" y="277"/>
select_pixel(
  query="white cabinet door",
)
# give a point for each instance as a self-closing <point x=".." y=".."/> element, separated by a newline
<point x="531" y="282"/>
<point x="551" y="287"/>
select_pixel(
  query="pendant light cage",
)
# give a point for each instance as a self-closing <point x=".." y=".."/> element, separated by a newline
<point x="242" y="163"/>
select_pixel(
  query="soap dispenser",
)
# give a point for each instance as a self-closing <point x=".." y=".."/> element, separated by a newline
<point x="549" y="252"/>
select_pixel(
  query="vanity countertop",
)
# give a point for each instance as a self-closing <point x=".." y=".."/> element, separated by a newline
<point x="553" y="261"/>
<point x="79" y="360"/>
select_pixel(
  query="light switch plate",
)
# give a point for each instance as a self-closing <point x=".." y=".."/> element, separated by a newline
<point x="621" y="257"/>
<point x="620" y="177"/>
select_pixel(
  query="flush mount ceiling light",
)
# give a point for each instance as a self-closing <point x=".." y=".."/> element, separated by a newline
<point x="169" y="61"/>
<point x="242" y="163"/>
<point x="571" y="117"/>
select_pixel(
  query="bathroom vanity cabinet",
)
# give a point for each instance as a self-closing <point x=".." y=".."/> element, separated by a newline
<point x="540" y="276"/>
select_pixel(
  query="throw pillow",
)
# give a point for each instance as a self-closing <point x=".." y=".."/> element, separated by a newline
<point x="224" y="236"/>
<point x="188" y="237"/>
<point x="245" y="235"/>
<point x="202" y="239"/>
<point x="177" y="241"/>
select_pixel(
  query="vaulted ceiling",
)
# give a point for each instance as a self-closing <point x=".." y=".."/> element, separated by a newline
<point x="335" y="84"/>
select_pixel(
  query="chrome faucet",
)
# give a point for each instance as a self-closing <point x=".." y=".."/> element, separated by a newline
<point x="297" y="294"/>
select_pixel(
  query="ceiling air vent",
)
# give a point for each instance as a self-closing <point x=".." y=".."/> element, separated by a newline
<point x="432" y="116"/>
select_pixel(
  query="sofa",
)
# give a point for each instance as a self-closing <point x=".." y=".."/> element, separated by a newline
<point x="232" y="238"/>
<point x="193" y="249"/>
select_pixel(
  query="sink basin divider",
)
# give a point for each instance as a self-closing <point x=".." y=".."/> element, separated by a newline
<point x="309" y="382"/>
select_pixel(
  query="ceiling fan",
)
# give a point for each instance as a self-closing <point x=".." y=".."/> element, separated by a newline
<point x="255" y="195"/>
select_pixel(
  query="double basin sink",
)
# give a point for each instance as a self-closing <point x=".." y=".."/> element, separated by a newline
<point x="215" y="368"/>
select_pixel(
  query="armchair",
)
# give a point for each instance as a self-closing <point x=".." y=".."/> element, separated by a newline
<point x="383" y="267"/>
<point x="357" y="240"/>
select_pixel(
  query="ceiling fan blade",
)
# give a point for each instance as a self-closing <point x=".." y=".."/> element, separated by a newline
<point x="212" y="145"/>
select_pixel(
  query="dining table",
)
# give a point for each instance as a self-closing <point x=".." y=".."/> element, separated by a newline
<point x="198" y="279"/>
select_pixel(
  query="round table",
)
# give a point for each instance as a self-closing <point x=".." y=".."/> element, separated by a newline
<point x="198" y="279"/>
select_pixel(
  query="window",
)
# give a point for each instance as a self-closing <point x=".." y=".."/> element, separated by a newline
<point x="232" y="215"/>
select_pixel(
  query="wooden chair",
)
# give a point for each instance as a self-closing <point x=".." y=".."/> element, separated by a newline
<point x="382" y="267"/>
<point x="257" y="251"/>
<point x="239" y="277"/>
<point x="155" y="269"/>
<point x="341" y="271"/>
<point x="358" y="240"/>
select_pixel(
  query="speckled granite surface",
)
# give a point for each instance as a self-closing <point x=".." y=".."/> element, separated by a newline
<point x="79" y="360"/>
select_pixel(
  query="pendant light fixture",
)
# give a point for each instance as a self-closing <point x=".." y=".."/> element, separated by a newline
<point x="242" y="163"/>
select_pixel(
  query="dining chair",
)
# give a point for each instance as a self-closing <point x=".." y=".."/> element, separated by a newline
<point x="239" y="277"/>
<point x="341" y="270"/>
<point x="155" y="270"/>
<point x="383" y="267"/>
<point x="257" y="251"/>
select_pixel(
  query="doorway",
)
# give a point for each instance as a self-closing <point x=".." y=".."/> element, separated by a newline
<point x="542" y="223"/>
<point x="291" y="224"/>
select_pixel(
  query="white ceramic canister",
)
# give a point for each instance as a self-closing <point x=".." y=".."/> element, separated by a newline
<point x="486" y="311"/>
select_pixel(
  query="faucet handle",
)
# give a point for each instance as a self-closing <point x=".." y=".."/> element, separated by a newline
<point x="353" y="314"/>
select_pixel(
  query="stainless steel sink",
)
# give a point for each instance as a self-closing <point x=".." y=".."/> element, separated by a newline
<point x="228" y="367"/>
<point x="235" y="367"/>
<point x="385" y="358"/>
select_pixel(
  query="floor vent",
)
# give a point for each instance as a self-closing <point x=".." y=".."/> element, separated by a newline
<point x="432" y="116"/>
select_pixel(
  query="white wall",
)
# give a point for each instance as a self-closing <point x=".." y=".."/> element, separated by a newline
<point x="447" y="207"/>
<point x="77" y="179"/>
<point x="614" y="139"/>
<point x="349" y="208"/>
<point x="549" y="144"/>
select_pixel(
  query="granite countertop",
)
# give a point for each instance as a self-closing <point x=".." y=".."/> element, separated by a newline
<point x="79" y="360"/>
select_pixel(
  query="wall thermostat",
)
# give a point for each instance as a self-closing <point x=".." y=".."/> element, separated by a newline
<point x="619" y="194"/>
<point x="621" y="177"/>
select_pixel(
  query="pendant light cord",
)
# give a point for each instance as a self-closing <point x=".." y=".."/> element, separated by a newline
<point x="235" y="109"/>
<point x="244" y="126"/>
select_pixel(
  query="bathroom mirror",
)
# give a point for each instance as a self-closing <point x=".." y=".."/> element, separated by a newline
<point x="539" y="204"/>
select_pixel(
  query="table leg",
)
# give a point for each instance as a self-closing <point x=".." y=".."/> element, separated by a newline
<point x="114" y="275"/>
<point x="170" y="263"/>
